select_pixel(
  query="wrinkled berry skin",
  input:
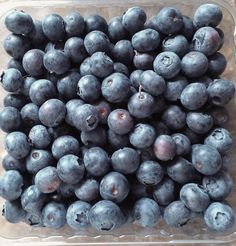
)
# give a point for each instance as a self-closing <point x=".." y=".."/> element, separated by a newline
<point x="85" y="118"/>
<point x="206" y="159"/>
<point x="206" y="40"/>
<point x="219" y="217"/>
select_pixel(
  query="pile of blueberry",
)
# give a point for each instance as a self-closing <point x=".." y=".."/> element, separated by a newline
<point x="119" y="122"/>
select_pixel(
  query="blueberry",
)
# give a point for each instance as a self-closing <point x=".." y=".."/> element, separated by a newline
<point x="160" y="104"/>
<point x="146" y="40"/>
<point x="11" y="185"/>
<point x="199" y="122"/>
<point x="67" y="85"/>
<point x="182" y="171"/>
<point x="152" y="23"/>
<point x="89" y="88"/>
<point x="140" y="105"/>
<point x="164" y="192"/>
<point x="54" y="27"/>
<point x="164" y="148"/>
<point x="13" y="212"/>
<point x="96" y="41"/>
<point x="33" y="62"/>
<point x="114" y="186"/>
<point x="34" y="219"/>
<point x="25" y="88"/>
<point x="52" y="112"/>
<point x="146" y="212"/>
<point x="207" y="15"/>
<point x="174" y="117"/>
<point x="85" y="67"/>
<point x="143" y="61"/>
<point x="188" y="28"/>
<point x="32" y="199"/>
<point x="19" y="22"/>
<point x="96" y="137"/>
<point x="54" y="46"/>
<point x="10" y="119"/>
<point x="149" y="173"/>
<point x="61" y="130"/>
<point x="11" y="79"/>
<point x="221" y="91"/>
<point x="70" y="169"/>
<point x="221" y="139"/>
<point x="117" y="141"/>
<point x="36" y="35"/>
<point x="160" y="128"/>
<point x="182" y="143"/>
<point x="41" y="90"/>
<point x="125" y="160"/>
<point x="95" y="23"/>
<point x="169" y="20"/>
<point x="217" y="64"/>
<point x="123" y="51"/>
<point x="218" y="186"/>
<point x="116" y="30"/>
<point x="219" y="217"/>
<point x="120" y="121"/>
<point x="56" y="61"/>
<point x="65" y="145"/>
<point x="38" y="159"/>
<point x="174" y="88"/>
<point x="222" y="37"/>
<point x="194" y="96"/>
<point x="105" y="216"/>
<point x="10" y="163"/>
<point x="139" y="190"/>
<point x="142" y="136"/>
<point x="16" y="144"/>
<point x="133" y="19"/>
<point x="85" y="118"/>
<point x="194" y="64"/>
<point x="206" y="40"/>
<point x="71" y="106"/>
<point x="202" y="79"/>
<point x="96" y="161"/>
<point x="176" y="214"/>
<point x="177" y="43"/>
<point x="101" y="65"/>
<point x="167" y="64"/>
<point x="116" y="87"/>
<point x="30" y="114"/>
<point x="17" y="64"/>
<point x="75" y="50"/>
<point x="47" y="180"/>
<point x="66" y="190"/>
<point x="77" y="215"/>
<point x="135" y="78"/>
<point x="87" y="190"/>
<point x="54" y="215"/>
<point x="152" y="82"/>
<point x="206" y="159"/>
<point x="16" y="45"/>
<point x="74" y="24"/>
<point x="121" y="68"/>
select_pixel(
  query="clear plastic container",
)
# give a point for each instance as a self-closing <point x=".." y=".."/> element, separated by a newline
<point x="194" y="232"/>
